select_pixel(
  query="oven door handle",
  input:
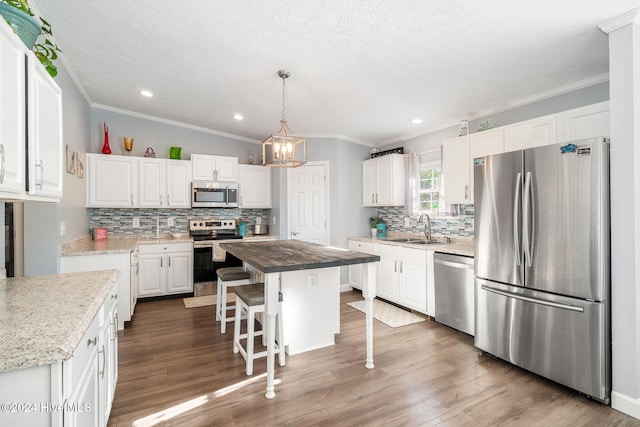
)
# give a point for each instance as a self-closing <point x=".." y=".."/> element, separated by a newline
<point x="202" y="245"/>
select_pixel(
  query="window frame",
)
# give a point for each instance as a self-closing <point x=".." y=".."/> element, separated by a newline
<point x="435" y="165"/>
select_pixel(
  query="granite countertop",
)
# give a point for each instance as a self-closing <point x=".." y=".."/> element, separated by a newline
<point x="43" y="318"/>
<point x="291" y="255"/>
<point x="114" y="245"/>
<point x="463" y="246"/>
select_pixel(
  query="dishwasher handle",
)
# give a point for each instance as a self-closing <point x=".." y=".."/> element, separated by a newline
<point x="454" y="264"/>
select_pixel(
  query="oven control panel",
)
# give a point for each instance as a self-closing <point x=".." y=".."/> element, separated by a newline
<point x="211" y="224"/>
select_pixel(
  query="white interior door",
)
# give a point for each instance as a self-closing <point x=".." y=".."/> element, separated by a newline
<point x="307" y="200"/>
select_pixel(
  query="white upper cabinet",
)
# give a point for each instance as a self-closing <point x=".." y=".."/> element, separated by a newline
<point x="30" y="101"/>
<point x="456" y="171"/>
<point x="112" y="181"/>
<point x="163" y="183"/>
<point x="45" y="132"/>
<point x="383" y="181"/>
<point x="255" y="186"/>
<point x="12" y="112"/>
<point x="178" y="183"/>
<point x="531" y="133"/>
<point x="584" y="122"/>
<point x="214" y="168"/>
<point x="486" y="143"/>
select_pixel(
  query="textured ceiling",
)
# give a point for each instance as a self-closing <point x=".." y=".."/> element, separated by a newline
<point x="360" y="69"/>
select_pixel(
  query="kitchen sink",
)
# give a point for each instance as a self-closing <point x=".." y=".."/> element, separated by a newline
<point x="402" y="239"/>
<point x="423" y="242"/>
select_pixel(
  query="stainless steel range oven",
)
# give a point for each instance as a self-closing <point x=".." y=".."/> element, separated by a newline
<point x="207" y="234"/>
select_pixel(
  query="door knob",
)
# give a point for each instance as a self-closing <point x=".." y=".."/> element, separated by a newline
<point x="294" y="233"/>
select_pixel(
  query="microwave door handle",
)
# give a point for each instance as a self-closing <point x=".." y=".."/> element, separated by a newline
<point x="226" y="195"/>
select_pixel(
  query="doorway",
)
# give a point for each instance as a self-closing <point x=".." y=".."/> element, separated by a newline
<point x="308" y="202"/>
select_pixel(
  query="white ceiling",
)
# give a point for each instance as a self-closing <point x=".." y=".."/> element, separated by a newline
<point x="360" y="69"/>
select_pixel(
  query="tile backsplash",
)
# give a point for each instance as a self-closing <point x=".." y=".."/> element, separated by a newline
<point x="459" y="225"/>
<point x="120" y="221"/>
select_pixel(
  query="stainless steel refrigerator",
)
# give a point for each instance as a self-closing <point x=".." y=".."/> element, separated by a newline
<point x="542" y="262"/>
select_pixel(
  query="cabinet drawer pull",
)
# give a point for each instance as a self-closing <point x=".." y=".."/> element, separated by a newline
<point x="401" y="262"/>
<point x="395" y="266"/>
<point x="104" y="361"/>
<point x="131" y="199"/>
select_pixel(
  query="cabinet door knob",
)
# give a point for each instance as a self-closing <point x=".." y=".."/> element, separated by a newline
<point x="93" y="341"/>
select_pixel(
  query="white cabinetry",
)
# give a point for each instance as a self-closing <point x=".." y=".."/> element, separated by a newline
<point x="45" y="132"/>
<point x="383" y="181"/>
<point x="165" y="269"/>
<point x="584" y="122"/>
<point x="108" y="355"/>
<point x="29" y="101"/>
<point x="12" y="112"/>
<point x="456" y="167"/>
<point x="116" y="261"/>
<point x="112" y="181"/>
<point x="486" y="143"/>
<point x="403" y="276"/>
<point x="164" y="183"/>
<point x="531" y="133"/>
<point x="214" y="168"/>
<point x="358" y="272"/>
<point x="255" y="186"/>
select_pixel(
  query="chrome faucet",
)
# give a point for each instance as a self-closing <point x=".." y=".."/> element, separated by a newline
<point x="427" y="226"/>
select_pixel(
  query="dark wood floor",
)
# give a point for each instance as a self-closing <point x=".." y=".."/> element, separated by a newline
<point x="177" y="370"/>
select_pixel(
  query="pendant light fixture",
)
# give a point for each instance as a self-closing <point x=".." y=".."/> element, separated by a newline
<point x="282" y="149"/>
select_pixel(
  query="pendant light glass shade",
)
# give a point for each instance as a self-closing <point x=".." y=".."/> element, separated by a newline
<point x="282" y="149"/>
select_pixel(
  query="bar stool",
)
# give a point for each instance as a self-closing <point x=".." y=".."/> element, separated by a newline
<point x="228" y="276"/>
<point x="251" y="299"/>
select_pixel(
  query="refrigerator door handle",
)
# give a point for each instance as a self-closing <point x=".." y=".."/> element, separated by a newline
<point x="529" y="220"/>
<point x="533" y="300"/>
<point x="516" y="215"/>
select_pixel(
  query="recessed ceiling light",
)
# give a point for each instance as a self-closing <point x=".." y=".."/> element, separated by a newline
<point x="146" y="93"/>
<point x="416" y="121"/>
<point x="238" y="116"/>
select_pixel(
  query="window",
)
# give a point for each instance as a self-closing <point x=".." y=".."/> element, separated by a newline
<point x="430" y="186"/>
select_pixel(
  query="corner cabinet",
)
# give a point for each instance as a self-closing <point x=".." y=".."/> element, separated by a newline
<point x="30" y="101"/>
<point x="255" y="186"/>
<point x="383" y="181"/>
<point x="112" y="181"/>
<point x="214" y="168"/>
<point x="165" y="269"/>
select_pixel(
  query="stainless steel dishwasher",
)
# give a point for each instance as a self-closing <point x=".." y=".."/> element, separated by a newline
<point x="454" y="291"/>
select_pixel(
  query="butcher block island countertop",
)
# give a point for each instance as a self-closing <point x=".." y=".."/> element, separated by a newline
<point x="43" y="318"/>
<point x="291" y="255"/>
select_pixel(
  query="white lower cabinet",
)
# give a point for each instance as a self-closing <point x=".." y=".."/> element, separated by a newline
<point x="76" y="392"/>
<point x="358" y="272"/>
<point x="165" y="269"/>
<point x="401" y="276"/>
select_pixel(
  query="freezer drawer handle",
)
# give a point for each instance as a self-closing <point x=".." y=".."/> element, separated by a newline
<point x="533" y="300"/>
<point x="454" y="264"/>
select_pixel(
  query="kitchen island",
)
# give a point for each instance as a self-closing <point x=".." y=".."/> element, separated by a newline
<point x="276" y="257"/>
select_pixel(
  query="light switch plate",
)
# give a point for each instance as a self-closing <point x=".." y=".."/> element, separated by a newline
<point x="274" y="220"/>
<point x="63" y="228"/>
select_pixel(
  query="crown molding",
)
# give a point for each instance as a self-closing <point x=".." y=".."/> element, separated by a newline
<point x="618" y="22"/>
<point x="173" y="123"/>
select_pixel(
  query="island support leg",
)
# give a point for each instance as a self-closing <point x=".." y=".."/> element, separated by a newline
<point x="369" y="292"/>
<point x="271" y="290"/>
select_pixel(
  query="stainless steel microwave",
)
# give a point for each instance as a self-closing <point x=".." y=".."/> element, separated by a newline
<point x="214" y="194"/>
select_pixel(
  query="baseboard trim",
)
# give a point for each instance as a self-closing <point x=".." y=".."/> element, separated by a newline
<point x="345" y="287"/>
<point x="626" y="404"/>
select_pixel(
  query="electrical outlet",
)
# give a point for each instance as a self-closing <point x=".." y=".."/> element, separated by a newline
<point x="171" y="221"/>
<point x="313" y="281"/>
<point x="274" y="220"/>
<point x="406" y="222"/>
<point x="259" y="220"/>
<point x="63" y="228"/>
<point x="136" y="222"/>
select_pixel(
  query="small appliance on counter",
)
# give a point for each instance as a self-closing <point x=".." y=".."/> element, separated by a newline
<point x="261" y="229"/>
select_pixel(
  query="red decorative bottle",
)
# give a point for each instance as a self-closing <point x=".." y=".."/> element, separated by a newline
<point x="105" y="148"/>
